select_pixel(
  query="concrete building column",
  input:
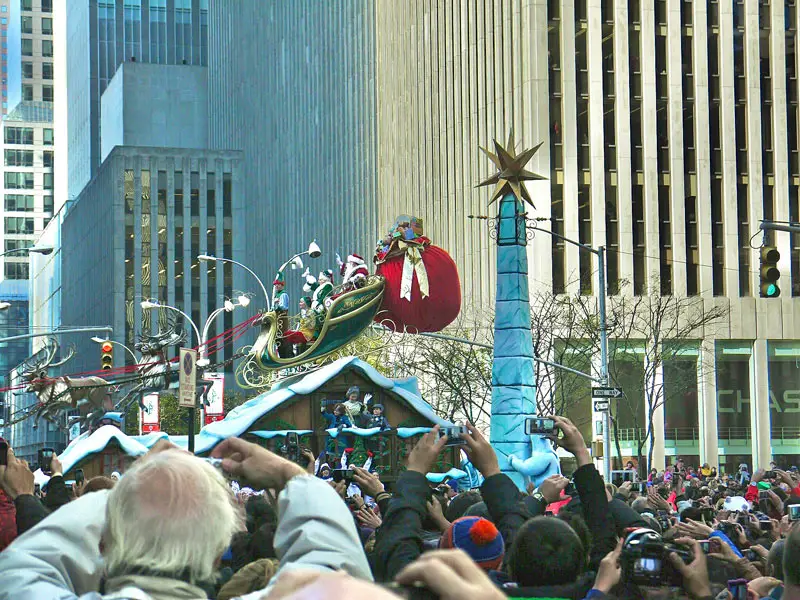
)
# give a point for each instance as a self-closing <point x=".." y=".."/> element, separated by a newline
<point x="659" y="452"/>
<point x="759" y="406"/>
<point x="707" y="403"/>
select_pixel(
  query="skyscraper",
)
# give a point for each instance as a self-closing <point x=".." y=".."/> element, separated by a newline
<point x="27" y="139"/>
<point x="10" y="52"/>
<point x="102" y="34"/>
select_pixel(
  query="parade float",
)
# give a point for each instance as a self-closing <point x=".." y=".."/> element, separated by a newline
<point x="300" y="363"/>
<point x="415" y="288"/>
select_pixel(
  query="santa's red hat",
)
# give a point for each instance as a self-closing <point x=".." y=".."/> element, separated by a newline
<point x="355" y="258"/>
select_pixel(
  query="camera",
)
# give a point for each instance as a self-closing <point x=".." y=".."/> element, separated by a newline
<point x="645" y="559"/>
<point x="454" y="435"/>
<point x="537" y="426"/>
<point x="292" y="451"/>
<point x="3" y="453"/>
<point x="79" y="476"/>
<point x="794" y="512"/>
<point x="729" y="529"/>
<point x="45" y="456"/>
<point x="770" y="475"/>
<point x="342" y="475"/>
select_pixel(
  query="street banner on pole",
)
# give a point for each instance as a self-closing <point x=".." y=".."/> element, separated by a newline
<point x="188" y="378"/>
<point x="215" y="409"/>
<point x="148" y="418"/>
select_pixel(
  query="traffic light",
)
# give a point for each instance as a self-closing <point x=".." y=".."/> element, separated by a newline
<point x="769" y="272"/>
<point x="106" y="356"/>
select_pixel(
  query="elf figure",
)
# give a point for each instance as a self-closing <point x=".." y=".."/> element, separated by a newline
<point x="323" y="291"/>
<point x="376" y="443"/>
<point x="338" y="420"/>
<point x="307" y="330"/>
<point x="280" y="304"/>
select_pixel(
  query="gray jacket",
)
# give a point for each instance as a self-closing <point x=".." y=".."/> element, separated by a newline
<point x="59" y="558"/>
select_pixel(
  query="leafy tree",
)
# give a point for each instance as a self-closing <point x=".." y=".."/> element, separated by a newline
<point x="174" y="419"/>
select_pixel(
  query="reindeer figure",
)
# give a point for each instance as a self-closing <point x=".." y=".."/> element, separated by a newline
<point x="153" y="367"/>
<point x="89" y="395"/>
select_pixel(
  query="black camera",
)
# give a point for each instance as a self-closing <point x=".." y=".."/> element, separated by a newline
<point x="729" y="529"/>
<point x="345" y="475"/>
<point x="645" y="559"/>
<point x="291" y="449"/>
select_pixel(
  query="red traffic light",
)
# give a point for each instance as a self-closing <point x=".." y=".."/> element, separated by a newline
<point x="106" y="347"/>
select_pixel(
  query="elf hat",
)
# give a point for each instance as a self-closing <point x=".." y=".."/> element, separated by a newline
<point x="477" y="537"/>
<point x="355" y="258"/>
<point x="306" y="300"/>
<point x="279" y="279"/>
<point x="353" y="389"/>
<point x="327" y="274"/>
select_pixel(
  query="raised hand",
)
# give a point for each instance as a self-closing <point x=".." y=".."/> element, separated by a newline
<point x="480" y="452"/>
<point x="427" y="450"/>
<point x="16" y="478"/>
<point x="259" y="467"/>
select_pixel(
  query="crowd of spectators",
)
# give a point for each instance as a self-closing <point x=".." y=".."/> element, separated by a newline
<point x="172" y="527"/>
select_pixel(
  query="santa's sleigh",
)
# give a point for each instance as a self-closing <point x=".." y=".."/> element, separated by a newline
<point x="348" y="315"/>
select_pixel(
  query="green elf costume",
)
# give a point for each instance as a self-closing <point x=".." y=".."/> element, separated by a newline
<point x="323" y="291"/>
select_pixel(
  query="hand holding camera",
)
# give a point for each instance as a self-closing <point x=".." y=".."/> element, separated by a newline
<point x="694" y="574"/>
<point x="16" y="478"/>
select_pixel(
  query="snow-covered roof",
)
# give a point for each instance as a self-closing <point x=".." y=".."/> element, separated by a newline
<point x="240" y="419"/>
<point x="85" y="445"/>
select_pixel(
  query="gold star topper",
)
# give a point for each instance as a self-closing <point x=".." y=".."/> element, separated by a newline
<point x="511" y="170"/>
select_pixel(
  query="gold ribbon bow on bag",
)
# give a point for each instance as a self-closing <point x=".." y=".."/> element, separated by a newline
<point x="412" y="263"/>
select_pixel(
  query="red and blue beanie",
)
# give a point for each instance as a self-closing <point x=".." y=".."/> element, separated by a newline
<point x="477" y="537"/>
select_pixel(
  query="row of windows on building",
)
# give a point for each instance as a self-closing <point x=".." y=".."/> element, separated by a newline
<point x="678" y="389"/>
<point x="24" y="158"/>
<point x="27" y="203"/>
<point x="23" y="136"/>
<point x="666" y="175"/>
<point x="46" y="47"/>
<point x="26" y="180"/>
<point x="27" y="70"/>
<point x="46" y="92"/>
<point x="148" y="36"/>
<point x="45" y="6"/>
<point x="27" y="25"/>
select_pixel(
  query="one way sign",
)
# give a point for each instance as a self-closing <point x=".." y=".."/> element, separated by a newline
<point x="606" y="392"/>
<point x="601" y="405"/>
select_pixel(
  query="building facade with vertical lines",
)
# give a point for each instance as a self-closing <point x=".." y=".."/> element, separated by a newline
<point x="669" y="130"/>
<point x="292" y="85"/>
<point x="157" y="209"/>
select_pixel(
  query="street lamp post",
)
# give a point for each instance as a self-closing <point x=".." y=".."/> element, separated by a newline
<point x="600" y="252"/>
<point x="241" y="300"/>
<point x="313" y="251"/>
<point x="202" y="361"/>
<point x="149" y="304"/>
<point x="45" y="250"/>
<point x="209" y="258"/>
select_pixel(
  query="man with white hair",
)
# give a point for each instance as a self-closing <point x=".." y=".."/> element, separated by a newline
<point x="160" y="532"/>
